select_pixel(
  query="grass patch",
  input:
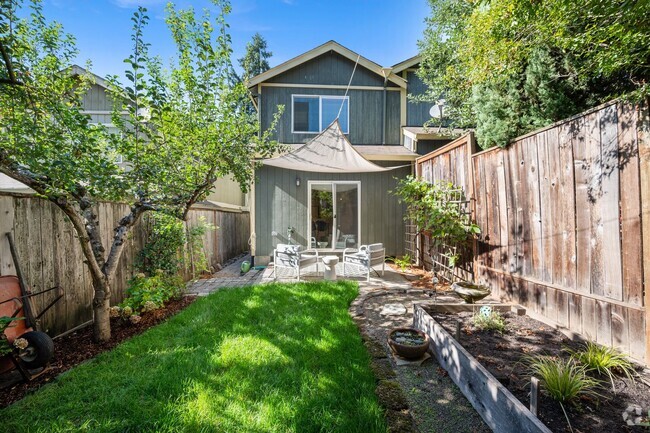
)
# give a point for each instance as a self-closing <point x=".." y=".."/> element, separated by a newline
<point x="272" y="358"/>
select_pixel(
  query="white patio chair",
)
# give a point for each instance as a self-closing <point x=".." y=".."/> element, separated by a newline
<point x="365" y="257"/>
<point x="293" y="257"/>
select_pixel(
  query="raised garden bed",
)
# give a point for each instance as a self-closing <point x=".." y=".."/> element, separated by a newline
<point x="489" y="368"/>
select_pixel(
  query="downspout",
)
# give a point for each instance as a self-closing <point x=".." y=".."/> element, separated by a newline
<point x="386" y="72"/>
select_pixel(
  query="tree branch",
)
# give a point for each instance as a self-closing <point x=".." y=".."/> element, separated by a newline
<point x="123" y="228"/>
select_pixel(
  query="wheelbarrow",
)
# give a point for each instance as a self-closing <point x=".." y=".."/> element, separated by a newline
<point x="16" y="302"/>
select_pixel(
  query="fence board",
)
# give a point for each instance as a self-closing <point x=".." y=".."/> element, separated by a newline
<point x="565" y="220"/>
<point x="50" y="253"/>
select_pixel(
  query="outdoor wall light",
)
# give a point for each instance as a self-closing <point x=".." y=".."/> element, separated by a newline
<point x="297" y="181"/>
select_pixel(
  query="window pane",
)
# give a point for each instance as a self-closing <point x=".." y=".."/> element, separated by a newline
<point x="331" y="108"/>
<point x="305" y="114"/>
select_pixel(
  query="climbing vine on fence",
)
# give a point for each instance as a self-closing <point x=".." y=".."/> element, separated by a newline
<point x="437" y="209"/>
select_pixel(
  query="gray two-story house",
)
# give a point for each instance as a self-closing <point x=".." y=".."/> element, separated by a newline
<point x="353" y="132"/>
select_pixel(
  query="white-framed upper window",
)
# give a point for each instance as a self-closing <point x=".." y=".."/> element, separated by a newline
<point x="310" y="114"/>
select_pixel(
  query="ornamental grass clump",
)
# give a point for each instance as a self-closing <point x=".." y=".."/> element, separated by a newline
<point x="563" y="380"/>
<point x="604" y="361"/>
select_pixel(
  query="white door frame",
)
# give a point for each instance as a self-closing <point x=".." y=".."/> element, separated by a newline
<point x="334" y="210"/>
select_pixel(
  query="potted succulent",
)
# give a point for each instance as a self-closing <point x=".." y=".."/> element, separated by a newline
<point x="408" y="343"/>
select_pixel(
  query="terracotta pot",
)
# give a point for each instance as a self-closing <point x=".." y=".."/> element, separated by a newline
<point x="406" y="350"/>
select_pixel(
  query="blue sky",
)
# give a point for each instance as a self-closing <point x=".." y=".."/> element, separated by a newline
<point x="381" y="30"/>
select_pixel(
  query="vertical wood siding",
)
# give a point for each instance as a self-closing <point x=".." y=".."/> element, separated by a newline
<point x="417" y="113"/>
<point x="280" y="204"/>
<point x="50" y="253"/>
<point x="365" y="114"/>
<point x="329" y="69"/>
<point x="562" y="218"/>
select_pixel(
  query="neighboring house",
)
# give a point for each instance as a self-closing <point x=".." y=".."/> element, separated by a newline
<point x="322" y="195"/>
<point x="97" y="104"/>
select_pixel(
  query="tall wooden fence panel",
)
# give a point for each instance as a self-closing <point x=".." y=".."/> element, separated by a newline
<point x="50" y="254"/>
<point x="565" y="220"/>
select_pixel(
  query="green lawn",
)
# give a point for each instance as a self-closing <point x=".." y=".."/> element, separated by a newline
<point x="273" y="358"/>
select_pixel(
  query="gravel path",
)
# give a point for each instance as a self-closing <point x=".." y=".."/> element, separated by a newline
<point x="433" y="401"/>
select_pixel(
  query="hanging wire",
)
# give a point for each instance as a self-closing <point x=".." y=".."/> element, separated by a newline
<point x="348" y="88"/>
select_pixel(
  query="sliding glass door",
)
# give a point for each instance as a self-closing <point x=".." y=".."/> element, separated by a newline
<point x="334" y="214"/>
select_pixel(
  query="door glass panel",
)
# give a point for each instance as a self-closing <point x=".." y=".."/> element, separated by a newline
<point x="322" y="215"/>
<point x="347" y="215"/>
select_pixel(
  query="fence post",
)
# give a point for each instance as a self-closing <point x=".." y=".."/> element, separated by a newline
<point x="471" y="196"/>
<point x="643" y="137"/>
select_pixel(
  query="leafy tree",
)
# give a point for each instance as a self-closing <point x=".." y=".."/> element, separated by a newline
<point x="255" y="61"/>
<point x="182" y="130"/>
<point x="508" y="67"/>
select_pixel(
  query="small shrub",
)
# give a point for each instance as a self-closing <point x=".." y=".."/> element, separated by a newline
<point x="604" y="361"/>
<point x="403" y="262"/>
<point x="170" y="246"/>
<point x="489" y="321"/>
<point x="563" y="380"/>
<point x="148" y="293"/>
<point x="166" y="237"/>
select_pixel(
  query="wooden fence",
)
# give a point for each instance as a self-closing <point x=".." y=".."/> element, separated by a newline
<point x="50" y="254"/>
<point x="565" y="219"/>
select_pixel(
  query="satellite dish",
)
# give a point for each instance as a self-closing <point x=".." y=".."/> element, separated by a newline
<point x="436" y="111"/>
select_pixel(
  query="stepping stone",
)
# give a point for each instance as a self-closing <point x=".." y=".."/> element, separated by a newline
<point x="393" y="310"/>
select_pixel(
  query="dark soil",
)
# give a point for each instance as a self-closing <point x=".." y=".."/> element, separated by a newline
<point x="420" y="278"/>
<point x="504" y="356"/>
<point x="77" y="347"/>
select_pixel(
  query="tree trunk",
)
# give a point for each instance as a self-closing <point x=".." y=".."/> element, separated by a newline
<point x="101" y="310"/>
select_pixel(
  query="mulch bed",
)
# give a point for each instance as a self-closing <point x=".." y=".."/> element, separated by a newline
<point x="77" y="347"/>
<point x="503" y="354"/>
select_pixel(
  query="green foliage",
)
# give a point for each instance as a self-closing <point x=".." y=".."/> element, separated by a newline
<point x="563" y="380"/>
<point x="493" y="321"/>
<point x="255" y="359"/>
<point x="435" y="208"/>
<point x="508" y="67"/>
<point x="403" y="262"/>
<point x="170" y="246"/>
<point x="156" y="289"/>
<point x="604" y="361"/>
<point x="166" y="238"/>
<point x="5" y="347"/>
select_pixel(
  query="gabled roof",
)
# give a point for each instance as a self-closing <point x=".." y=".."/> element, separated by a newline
<point x="320" y="50"/>
<point x="408" y="63"/>
<point x="78" y="70"/>
<point x="328" y="152"/>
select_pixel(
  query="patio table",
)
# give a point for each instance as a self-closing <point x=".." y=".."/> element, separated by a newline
<point x="330" y="267"/>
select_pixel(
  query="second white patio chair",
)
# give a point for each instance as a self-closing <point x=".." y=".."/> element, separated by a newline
<point x="293" y="257"/>
<point x="365" y="257"/>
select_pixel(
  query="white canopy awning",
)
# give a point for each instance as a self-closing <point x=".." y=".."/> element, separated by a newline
<point x="328" y="152"/>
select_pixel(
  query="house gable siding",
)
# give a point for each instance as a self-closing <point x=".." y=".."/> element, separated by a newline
<point x="329" y="69"/>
